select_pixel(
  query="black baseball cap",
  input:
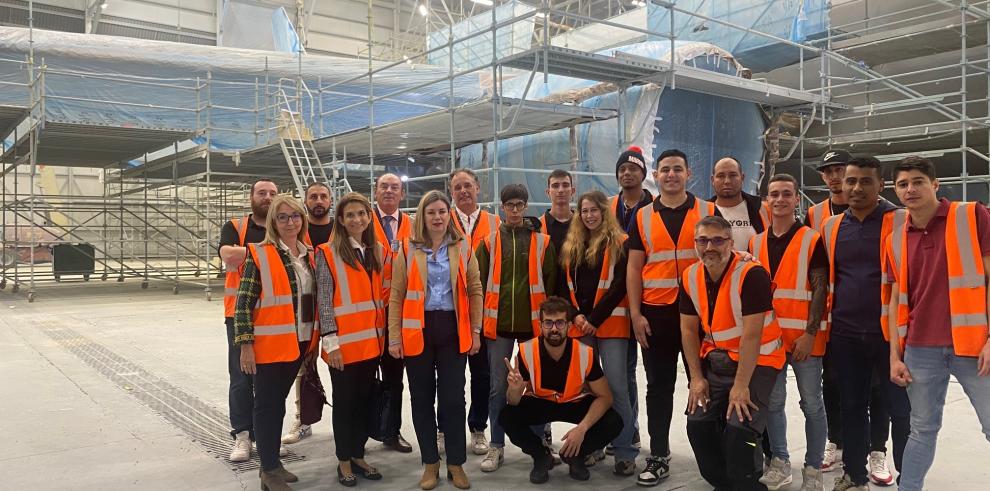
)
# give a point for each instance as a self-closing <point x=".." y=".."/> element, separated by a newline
<point x="834" y="157"/>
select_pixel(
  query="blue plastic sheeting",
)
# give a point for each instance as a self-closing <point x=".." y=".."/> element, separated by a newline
<point x="704" y="127"/>
<point x="120" y="90"/>
<point x="257" y="26"/>
<point x="477" y="51"/>
<point x="794" y="20"/>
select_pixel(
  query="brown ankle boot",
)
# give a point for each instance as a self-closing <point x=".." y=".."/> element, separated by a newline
<point x="285" y="474"/>
<point x="456" y="475"/>
<point x="273" y="481"/>
<point x="431" y="476"/>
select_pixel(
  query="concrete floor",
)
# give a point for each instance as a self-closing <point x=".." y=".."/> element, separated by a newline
<point x="107" y="386"/>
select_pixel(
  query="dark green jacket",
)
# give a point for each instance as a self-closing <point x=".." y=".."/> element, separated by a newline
<point x="514" y="314"/>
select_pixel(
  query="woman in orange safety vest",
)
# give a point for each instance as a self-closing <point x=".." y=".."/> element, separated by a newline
<point x="350" y="271"/>
<point x="275" y="326"/>
<point x="434" y="322"/>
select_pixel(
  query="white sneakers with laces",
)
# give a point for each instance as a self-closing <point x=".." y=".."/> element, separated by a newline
<point x="833" y="458"/>
<point x="296" y="432"/>
<point x="479" y="444"/>
<point x="242" y="448"/>
<point x="778" y="475"/>
<point x="493" y="460"/>
<point x="879" y="472"/>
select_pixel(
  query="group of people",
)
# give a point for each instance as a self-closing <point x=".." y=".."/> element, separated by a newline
<point x="550" y="315"/>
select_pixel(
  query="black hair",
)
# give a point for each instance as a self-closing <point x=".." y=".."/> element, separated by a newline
<point x="714" y="221"/>
<point x="925" y="166"/>
<point x="556" y="305"/>
<point x="670" y="152"/>
<point x="558" y="173"/>
<point x="783" y="178"/>
<point x="867" y="162"/>
<point x="263" y="179"/>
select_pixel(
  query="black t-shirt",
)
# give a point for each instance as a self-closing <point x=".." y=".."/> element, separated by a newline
<point x="554" y="372"/>
<point x="673" y="221"/>
<point x="558" y="233"/>
<point x="228" y="234"/>
<point x="836" y="209"/>
<point x="776" y="246"/>
<point x="756" y="294"/>
<point x="320" y="234"/>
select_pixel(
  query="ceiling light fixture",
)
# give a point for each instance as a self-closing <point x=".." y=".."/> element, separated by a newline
<point x="423" y="10"/>
<point x="487" y="3"/>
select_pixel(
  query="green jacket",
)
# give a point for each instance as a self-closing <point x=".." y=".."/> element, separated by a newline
<point x="514" y="314"/>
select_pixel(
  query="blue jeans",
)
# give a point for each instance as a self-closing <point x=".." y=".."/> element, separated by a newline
<point x="930" y="368"/>
<point x="611" y="353"/>
<point x="808" y="374"/>
<point x="632" y="359"/>
<point x="240" y="392"/>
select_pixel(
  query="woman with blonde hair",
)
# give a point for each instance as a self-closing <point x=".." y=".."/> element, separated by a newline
<point x="434" y="321"/>
<point x="350" y="271"/>
<point x="594" y="258"/>
<point x="274" y="324"/>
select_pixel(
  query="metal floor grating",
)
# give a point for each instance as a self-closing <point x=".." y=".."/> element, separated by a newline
<point x="204" y="424"/>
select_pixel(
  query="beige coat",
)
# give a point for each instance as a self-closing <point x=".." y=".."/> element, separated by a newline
<point x="399" y="281"/>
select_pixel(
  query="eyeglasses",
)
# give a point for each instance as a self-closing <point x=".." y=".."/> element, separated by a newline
<point x="285" y="217"/>
<point x="560" y="324"/>
<point x="514" y="206"/>
<point x="715" y="241"/>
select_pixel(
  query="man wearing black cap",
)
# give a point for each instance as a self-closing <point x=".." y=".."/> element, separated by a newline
<point x="832" y="170"/>
<point x="630" y="172"/>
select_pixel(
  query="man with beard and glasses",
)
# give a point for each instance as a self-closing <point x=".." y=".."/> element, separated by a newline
<point x="318" y="201"/>
<point x="234" y="237"/>
<point x="747" y="214"/>
<point x="556" y="378"/>
<point x="734" y="365"/>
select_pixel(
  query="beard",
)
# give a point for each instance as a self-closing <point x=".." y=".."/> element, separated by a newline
<point x="554" y="340"/>
<point x="260" y="209"/>
<point x="318" y="212"/>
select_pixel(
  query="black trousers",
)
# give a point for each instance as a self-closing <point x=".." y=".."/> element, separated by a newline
<point x="240" y="392"/>
<point x="518" y="420"/>
<point x="437" y="374"/>
<point x="392" y="369"/>
<point x="660" y="364"/>
<point x="854" y="357"/>
<point x="272" y="384"/>
<point x="729" y="452"/>
<point x="352" y="407"/>
<point x="879" y="418"/>
<point x="477" y="415"/>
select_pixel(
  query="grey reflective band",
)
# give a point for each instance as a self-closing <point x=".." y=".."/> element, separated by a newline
<point x="342" y="281"/>
<point x="972" y="276"/>
<point x="361" y="335"/>
<point x="527" y="356"/>
<point x="493" y="253"/>
<point x="802" y="261"/>
<point x="672" y="255"/>
<point x="647" y="229"/>
<point x="274" y="300"/>
<point x="966" y="281"/>
<point x="689" y="285"/>
<point x="769" y="347"/>
<point x="230" y="292"/>
<point x="412" y="324"/>
<point x="541" y="241"/>
<point x="414" y="295"/>
<point x="788" y="294"/>
<point x="491" y="313"/>
<point x="735" y="286"/>
<point x="356" y="308"/>
<point x="585" y="352"/>
<point x="620" y="312"/>
<point x="758" y="244"/>
<point x="268" y="299"/>
<point x="796" y="324"/>
<point x="963" y="320"/>
<point x="727" y="334"/>
<point x="274" y="330"/>
<point x="665" y="283"/>
<point x="702" y="207"/>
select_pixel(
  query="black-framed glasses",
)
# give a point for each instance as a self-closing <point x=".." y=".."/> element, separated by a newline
<point x="715" y="241"/>
<point x="285" y="217"/>
<point x="560" y="324"/>
<point x="514" y="206"/>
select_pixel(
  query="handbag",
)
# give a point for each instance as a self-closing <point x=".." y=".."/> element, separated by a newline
<point x="380" y="405"/>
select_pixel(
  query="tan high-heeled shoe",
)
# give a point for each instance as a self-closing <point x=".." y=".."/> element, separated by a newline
<point x="457" y="477"/>
<point x="431" y="476"/>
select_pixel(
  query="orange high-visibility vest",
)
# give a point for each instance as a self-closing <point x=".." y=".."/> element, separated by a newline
<point x="582" y="357"/>
<point x="617" y="324"/>
<point x="792" y="290"/>
<point x="543" y="223"/>
<point x="830" y="231"/>
<point x="538" y="244"/>
<point x="414" y="305"/>
<point x="967" y="280"/>
<point x="486" y="225"/>
<point x="664" y="260"/>
<point x="402" y="232"/>
<point x="275" y="337"/>
<point x="725" y="330"/>
<point x="358" y="308"/>
<point x="233" y="277"/>
<point x="765" y="215"/>
<point x="817" y="214"/>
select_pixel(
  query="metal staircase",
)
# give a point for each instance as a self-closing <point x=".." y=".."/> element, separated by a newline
<point x="296" y="140"/>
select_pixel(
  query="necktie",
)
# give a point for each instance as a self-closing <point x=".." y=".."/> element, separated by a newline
<point x="387" y="222"/>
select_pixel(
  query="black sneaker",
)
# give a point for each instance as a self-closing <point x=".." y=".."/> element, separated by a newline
<point x="548" y="444"/>
<point x="578" y="471"/>
<point x="541" y="469"/>
<point x="657" y="469"/>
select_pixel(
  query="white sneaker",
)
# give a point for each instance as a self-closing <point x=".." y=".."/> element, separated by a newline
<point x="812" y="479"/>
<point x="242" y="448"/>
<point x="777" y="475"/>
<point x="479" y="444"/>
<point x="440" y="443"/>
<point x="283" y="450"/>
<point x="833" y="458"/>
<point x="879" y="473"/>
<point x="296" y="432"/>
<point x="493" y="460"/>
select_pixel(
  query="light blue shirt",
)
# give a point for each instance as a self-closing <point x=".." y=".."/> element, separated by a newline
<point x="439" y="290"/>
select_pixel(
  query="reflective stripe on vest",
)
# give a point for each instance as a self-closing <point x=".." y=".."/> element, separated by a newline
<point x="792" y="290"/>
<point x="967" y="280"/>
<point x="232" y="279"/>
<point x="273" y="317"/>
<point x="358" y="307"/>
<point x="725" y="330"/>
<point x="538" y="244"/>
<point x="616" y="325"/>
<point x="665" y="260"/>
<point x="817" y="214"/>
<point x="414" y="304"/>
<point x="577" y="371"/>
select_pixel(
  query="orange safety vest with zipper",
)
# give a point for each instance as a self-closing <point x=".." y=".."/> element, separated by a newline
<point x="414" y="305"/>
<point x="967" y="279"/>
<point x="233" y="278"/>
<point x="892" y="219"/>
<point x="538" y="244"/>
<point x="486" y="225"/>
<point x="725" y="330"/>
<point x="582" y="357"/>
<point x="792" y="290"/>
<point x="665" y="260"/>
<point x="358" y="308"/>
<point x="273" y="317"/>
<point x="617" y="324"/>
<point x="817" y="214"/>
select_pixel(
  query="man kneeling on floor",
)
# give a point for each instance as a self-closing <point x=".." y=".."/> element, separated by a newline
<point x="558" y="379"/>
